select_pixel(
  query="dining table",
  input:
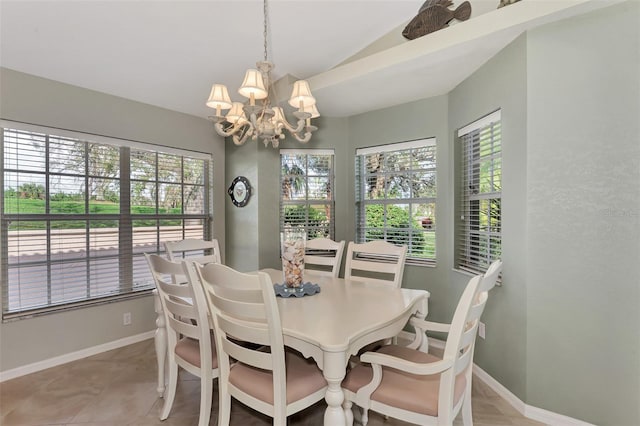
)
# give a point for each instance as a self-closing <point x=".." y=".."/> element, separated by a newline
<point x="330" y="326"/>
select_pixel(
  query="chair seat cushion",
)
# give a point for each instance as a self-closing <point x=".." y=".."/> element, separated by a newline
<point x="189" y="350"/>
<point x="403" y="390"/>
<point x="303" y="379"/>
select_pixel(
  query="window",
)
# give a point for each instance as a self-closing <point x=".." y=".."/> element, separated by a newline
<point x="306" y="178"/>
<point x="396" y="197"/>
<point x="478" y="238"/>
<point x="79" y="211"/>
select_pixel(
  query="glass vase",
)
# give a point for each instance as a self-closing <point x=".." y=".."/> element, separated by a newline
<point x="292" y="243"/>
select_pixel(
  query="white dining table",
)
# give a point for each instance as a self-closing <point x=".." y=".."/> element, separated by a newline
<point x="331" y="326"/>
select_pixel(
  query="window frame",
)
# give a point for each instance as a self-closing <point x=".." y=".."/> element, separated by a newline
<point x="309" y="202"/>
<point x="429" y="231"/>
<point x="471" y="240"/>
<point x="130" y="262"/>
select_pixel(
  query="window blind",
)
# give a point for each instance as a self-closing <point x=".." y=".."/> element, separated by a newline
<point x="306" y="197"/>
<point x="396" y="197"/>
<point x="77" y="216"/>
<point x="479" y="228"/>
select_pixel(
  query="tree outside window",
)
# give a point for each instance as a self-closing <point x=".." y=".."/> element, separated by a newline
<point x="396" y="197"/>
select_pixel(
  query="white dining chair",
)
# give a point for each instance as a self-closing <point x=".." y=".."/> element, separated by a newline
<point x="415" y="386"/>
<point x="421" y="340"/>
<point x="323" y="256"/>
<point x="201" y="251"/>
<point x="265" y="376"/>
<point x="190" y="344"/>
<point x="376" y="261"/>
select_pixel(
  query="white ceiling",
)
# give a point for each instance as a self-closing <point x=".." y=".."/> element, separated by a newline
<point x="168" y="53"/>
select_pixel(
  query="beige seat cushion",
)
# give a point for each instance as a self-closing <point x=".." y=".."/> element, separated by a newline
<point x="404" y="390"/>
<point x="189" y="350"/>
<point x="303" y="378"/>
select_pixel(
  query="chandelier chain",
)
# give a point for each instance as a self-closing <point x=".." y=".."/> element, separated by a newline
<point x="265" y="30"/>
<point x="263" y="120"/>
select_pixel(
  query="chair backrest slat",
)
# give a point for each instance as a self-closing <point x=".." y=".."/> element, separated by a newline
<point x="184" y="328"/>
<point x="376" y="257"/>
<point x="252" y="357"/>
<point x="249" y="311"/>
<point x="463" y="362"/>
<point x="476" y="310"/>
<point x="179" y="308"/>
<point x="469" y="335"/>
<point x="256" y="332"/>
<point x="323" y="253"/>
<point x="200" y="251"/>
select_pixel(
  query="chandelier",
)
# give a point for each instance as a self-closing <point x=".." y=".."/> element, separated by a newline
<point x="263" y="119"/>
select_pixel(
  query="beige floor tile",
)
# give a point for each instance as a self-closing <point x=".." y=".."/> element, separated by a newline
<point x="118" y="388"/>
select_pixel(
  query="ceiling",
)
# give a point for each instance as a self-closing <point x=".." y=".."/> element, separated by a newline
<point x="168" y="53"/>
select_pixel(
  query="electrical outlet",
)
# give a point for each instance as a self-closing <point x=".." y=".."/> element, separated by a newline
<point x="481" y="330"/>
<point x="126" y="318"/>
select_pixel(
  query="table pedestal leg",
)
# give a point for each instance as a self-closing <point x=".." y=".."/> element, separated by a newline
<point x="334" y="372"/>
<point x="160" y="341"/>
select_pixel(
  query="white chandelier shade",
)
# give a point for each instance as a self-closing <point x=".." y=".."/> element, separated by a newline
<point x="263" y="120"/>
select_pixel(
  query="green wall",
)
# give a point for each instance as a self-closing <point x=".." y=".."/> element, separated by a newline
<point x="583" y="217"/>
<point x="500" y="84"/>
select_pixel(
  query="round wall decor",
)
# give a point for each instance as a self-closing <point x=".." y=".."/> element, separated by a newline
<point x="240" y="191"/>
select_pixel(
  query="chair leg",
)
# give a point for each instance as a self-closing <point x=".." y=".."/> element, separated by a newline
<point x="171" y="389"/>
<point x="365" y="417"/>
<point x="206" y="395"/>
<point x="224" y="405"/>
<point x="348" y="414"/>
<point x="467" y="416"/>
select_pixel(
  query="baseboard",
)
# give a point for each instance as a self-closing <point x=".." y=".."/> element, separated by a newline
<point x="528" y="411"/>
<point x="73" y="356"/>
<point x="534" y="413"/>
<point x="498" y="388"/>
<point x="551" y="418"/>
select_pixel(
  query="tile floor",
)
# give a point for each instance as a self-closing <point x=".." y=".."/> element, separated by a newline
<point x="118" y="388"/>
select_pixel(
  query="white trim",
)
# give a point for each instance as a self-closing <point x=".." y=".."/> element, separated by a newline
<point x="398" y="146"/>
<point x="551" y="418"/>
<point x="498" y="388"/>
<point x="534" y="413"/>
<point x="107" y="140"/>
<point x="480" y="123"/>
<point x="73" y="356"/>
<point x="310" y="151"/>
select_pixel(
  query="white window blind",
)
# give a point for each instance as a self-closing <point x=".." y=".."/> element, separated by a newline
<point x="78" y="215"/>
<point x="306" y="198"/>
<point x="478" y="239"/>
<point x="396" y="197"/>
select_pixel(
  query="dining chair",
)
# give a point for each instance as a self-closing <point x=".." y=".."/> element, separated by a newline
<point x="201" y="251"/>
<point x="418" y="387"/>
<point x="190" y="344"/>
<point x="324" y="256"/>
<point x="421" y="340"/>
<point x="376" y="261"/>
<point x="265" y="376"/>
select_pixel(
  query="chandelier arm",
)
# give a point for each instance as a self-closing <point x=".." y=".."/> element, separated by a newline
<point x="235" y="131"/>
<point x="305" y="139"/>
<point x="299" y="125"/>
<point x="241" y="140"/>
<point x="222" y="131"/>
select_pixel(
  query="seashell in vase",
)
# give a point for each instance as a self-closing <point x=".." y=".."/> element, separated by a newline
<point x="293" y="244"/>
